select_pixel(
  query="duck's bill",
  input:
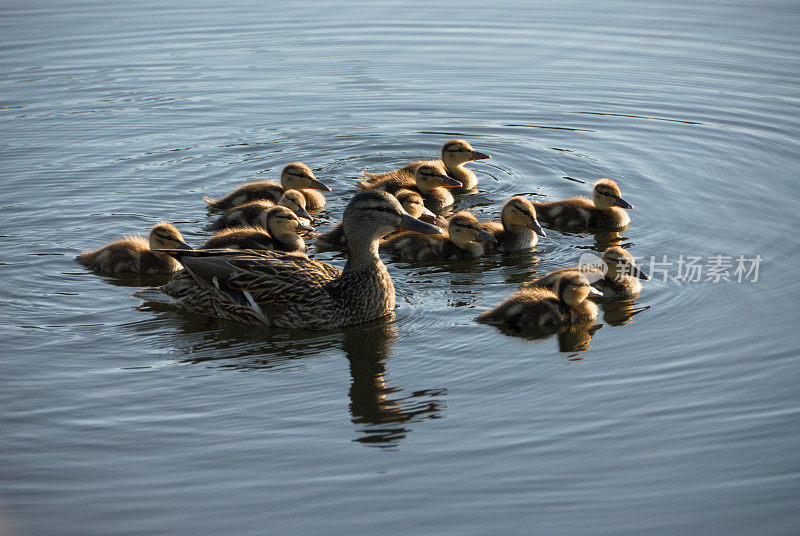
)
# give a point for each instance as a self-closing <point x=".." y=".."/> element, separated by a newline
<point x="184" y="245"/>
<point x="303" y="213"/>
<point x="483" y="235"/>
<point x="623" y="204"/>
<point x="595" y="293"/>
<point x="428" y="212"/>
<point x="318" y="185"/>
<point x="637" y="272"/>
<point x="410" y="223"/>
<point x="477" y="155"/>
<point x="536" y="228"/>
<point x="450" y="182"/>
<point x="303" y="227"/>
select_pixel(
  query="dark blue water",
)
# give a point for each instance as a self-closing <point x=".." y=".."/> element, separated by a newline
<point x="124" y="417"/>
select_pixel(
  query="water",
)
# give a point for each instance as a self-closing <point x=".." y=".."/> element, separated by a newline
<point x="127" y="418"/>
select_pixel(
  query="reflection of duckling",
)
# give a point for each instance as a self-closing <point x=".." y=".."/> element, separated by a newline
<point x="455" y="153"/>
<point x="134" y="254"/>
<point x="289" y="290"/>
<point x="517" y="228"/>
<point x="538" y="307"/>
<point x="282" y="225"/>
<point x="295" y="176"/>
<point x="411" y="201"/>
<point x="430" y="181"/>
<point x="254" y="213"/>
<point x="603" y="210"/>
<point x="617" y="278"/>
<point x="463" y="229"/>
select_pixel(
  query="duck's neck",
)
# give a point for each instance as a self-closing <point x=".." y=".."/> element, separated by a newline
<point x="457" y="171"/>
<point x="365" y="286"/>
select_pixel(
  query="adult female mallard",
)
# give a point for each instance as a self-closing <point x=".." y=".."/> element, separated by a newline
<point x="254" y="213"/>
<point x="455" y="153"/>
<point x="616" y="276"/>
<point x="134" y="254"/>
<point x="518" y="227"/>
<point x="282" y="225"/>
<point x="461" y="241"/>
<point x="295" y="176"/>
<point x="428" y="180"/>
<point x="604" y="210"/>
<point x="289" y="290"/>
<point x="538" y="307"/>
<point x="411" y="202"/>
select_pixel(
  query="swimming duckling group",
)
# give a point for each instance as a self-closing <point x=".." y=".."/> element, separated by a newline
<point x="255" y="270"/>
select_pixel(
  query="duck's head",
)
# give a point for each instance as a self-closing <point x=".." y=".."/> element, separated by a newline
<point x="463" y="228"/>
<point x="606" y="194"/>
<point x="282" y="221"/>
<point x="372" y="214"/>
<point x="165" y="236"/>
<point x="296" y="202"/>
<point x="413" y="204"/>
<point x="520" y="211"/>
<point x="298" y="176"/>
<point x="429" y="177"/>
<point x="621" y="264"/>
<point x="457" y="152"/>
<point x="573" y="288"/>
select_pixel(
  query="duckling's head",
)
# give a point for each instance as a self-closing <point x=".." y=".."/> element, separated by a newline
<point x="372" y="214"/>
<point x="413" y="204"/>
<point x="463" y="228"/>
<point x="457" y="152"/>
<point x="298" y="176"/>
<point x="165" y="236"/>
<point x="621" y="264"/>
<point x="282" y="221"/>
<point x="606" y="194"/>
<point x="296" y="202"/>
<point x="429" y="177"/>
<point x="520" y="211"/>
<point x="573" y="288"/>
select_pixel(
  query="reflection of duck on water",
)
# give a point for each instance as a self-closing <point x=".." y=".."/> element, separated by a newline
<point x="384" y="419"/>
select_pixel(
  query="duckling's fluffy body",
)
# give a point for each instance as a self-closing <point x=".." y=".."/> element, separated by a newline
<point x="289" y="290"/>
<point x="455" y="153"/>
<point x="254" y="213"/>
<point x="294" y="176"/>
<point x="133" y="254"/>
<point x="517" y="229"/>
<point x="539" y="307"/>
<point x="429" y="181"/>
<point x="604" y="210"/>
<point x="463" y="229"/>
<point x="240" y="238"/>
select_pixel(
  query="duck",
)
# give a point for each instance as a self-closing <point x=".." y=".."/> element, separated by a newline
<point x="411" y="201"/>
<point x="137" y="255"/>
<point x="462" y="241"/>
<point x="290" y="290"/>
<point x="282" y="226"/>
<point x="428" y="180"/>
<point x="537" y="307"/>
<point x="517" y="229"/>
<point x="294" y="176"/>
<point x="604" y="210"/>
<point x="455" y="153"/>
<point x="617" y="276"/>
<point x="254" y="213"/>
<point x="240" y="238"/>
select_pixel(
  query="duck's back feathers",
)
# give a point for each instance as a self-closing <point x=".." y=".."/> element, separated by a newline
<point x="581" y="212"/>
<point x="128" y="255"/>
<point x="240" y="238"/>
<point x="527" y="308"/>
<point x="253" y="191"/>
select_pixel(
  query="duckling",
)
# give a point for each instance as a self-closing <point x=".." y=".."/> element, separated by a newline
<point x="618" y="277"/>
<point x="428" y="180"/>
<point x="295" y="176"/>
<point x="603" y="210"/>
<point x="134" y="254"/>
<point x="254" y="213"/>
<point x="455" y="153"/>
<point x="518" y="227"/>
<point x="411" y="201"/>
<point x="282" y="227"/>
<point x="463" y="229"/>
<point x="289" y="290"/>
<point x="538" y="307"/>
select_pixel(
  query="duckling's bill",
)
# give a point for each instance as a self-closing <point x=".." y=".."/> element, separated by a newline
<point x="319" y="185"/>
<point x="483" y="235"/>
<point x="477" y="155"/>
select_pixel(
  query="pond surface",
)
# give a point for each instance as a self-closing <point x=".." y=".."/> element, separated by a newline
<point x="679" y="415"/>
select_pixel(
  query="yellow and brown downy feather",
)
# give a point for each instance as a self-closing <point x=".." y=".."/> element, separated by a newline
<point x="604" y="210"/>
<point x="517" y="229"/>
<point x="428" y="180"/>
<point x="460" y="242"/>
